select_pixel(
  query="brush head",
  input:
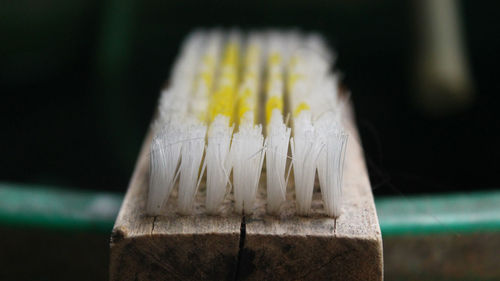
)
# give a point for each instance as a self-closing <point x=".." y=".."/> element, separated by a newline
<point x="226" y="81"/>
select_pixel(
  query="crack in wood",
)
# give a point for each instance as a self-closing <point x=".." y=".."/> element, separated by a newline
<point x="153" y="226"/>
<point x="241" y="247"/>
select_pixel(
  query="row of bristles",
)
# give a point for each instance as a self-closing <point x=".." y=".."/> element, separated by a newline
<point x="223" y="80"/>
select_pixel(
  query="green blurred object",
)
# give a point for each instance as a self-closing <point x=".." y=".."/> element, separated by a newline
<point x="51" y="207"/>
<point x="61" y="233"/>
<point x="445" y="213"/>
<point x="58" y="208"/>
<point x="83" y="210"/>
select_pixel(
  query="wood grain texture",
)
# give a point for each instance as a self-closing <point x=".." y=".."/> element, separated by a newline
<point x="202" y="247"/>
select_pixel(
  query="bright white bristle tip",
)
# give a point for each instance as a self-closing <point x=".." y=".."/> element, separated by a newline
<point x="247" y="156"/>
<point x="164" y="159"/>
<point x="330" y="163"/>
<point x="192" y="154"/>
<point x="305" y="153"/>
<point x="218" y="162"/>
<point x="276" y="157"/>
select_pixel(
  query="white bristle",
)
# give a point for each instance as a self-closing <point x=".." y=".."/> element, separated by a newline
<point x="247" y="156"/>
<point x="325" y="95"/>
<point x="195" y="132"/>
<point x="276" y="156"/>
<point x="192" y="153"/>
<point x="305" y="152"/>
<point x="247" y="151"/>
<point x="171" y="109"/>
<point x="215" y="81"/>
<point x="205" y="74"/>
<point x="218" y="162"/>
<point x="278" y="135"/>
<point x="184" y="69"/>
<point x="315" y="45"/>
<point x="314" y="95"/>
<point x="164" y="159"/>
<point x="330" y="164"/>
<point x="169" y="141"/>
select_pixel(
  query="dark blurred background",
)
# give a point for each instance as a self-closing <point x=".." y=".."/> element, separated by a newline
<point x="79" y="81"/>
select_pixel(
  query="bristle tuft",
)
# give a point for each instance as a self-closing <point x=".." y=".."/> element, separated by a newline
<point x="164" y="159"/>
<point x="305" y="152"/>
<point x="192" y="153"/>
<point x="276" y="158"/>
<point x="247" y="155"/>
<point x="218" y="162"/>
<point x="330" y="164"/>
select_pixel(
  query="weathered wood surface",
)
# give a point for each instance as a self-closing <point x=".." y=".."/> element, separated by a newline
<point x="202" y="247"/>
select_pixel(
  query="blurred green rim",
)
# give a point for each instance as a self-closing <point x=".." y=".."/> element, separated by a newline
<point x="70" y="209"/>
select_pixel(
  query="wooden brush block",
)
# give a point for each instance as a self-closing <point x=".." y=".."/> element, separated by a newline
<point x="257" y="247"/>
